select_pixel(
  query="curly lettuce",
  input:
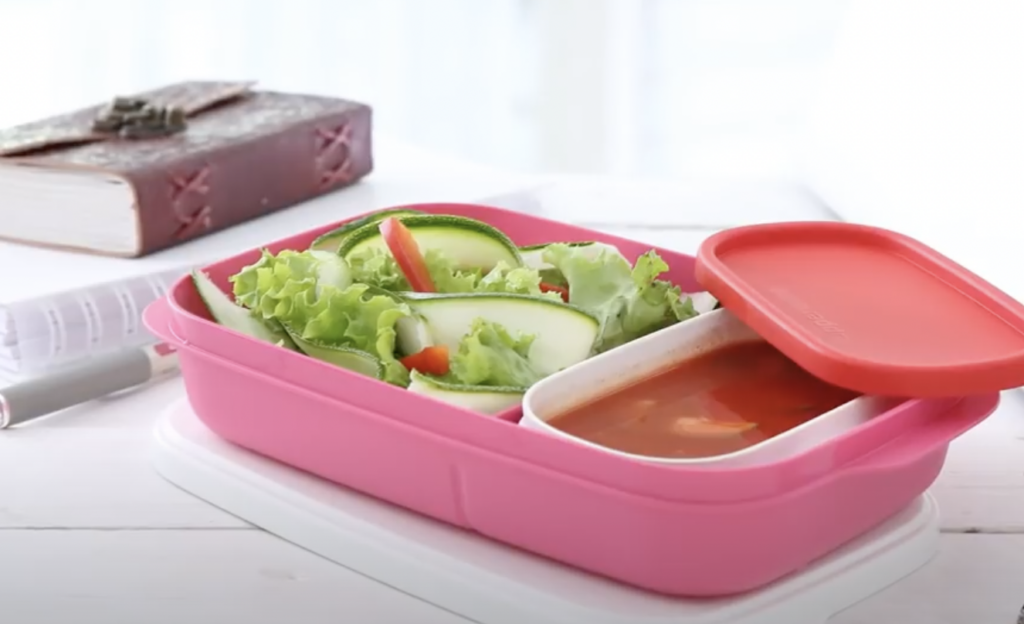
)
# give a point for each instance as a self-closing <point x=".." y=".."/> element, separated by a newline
<point x="271" y="286"/>
<point x="629" y="301"/>
<point x="377" y="267"/>
<point x="490" y="356"/>
<point x="314" y="299"/>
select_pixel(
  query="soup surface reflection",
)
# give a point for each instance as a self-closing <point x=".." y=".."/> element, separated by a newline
<point x="715" y="403"/>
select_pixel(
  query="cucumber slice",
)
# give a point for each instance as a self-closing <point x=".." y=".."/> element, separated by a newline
<point x="468" y="243"/>
<point x="485" y="399"/>
<point x="233" y="316"/>
<point x="352" y="359"/>
<point x="533" y="255"/>
<point x="564" y="334"/>
<point x="333" y="239"/>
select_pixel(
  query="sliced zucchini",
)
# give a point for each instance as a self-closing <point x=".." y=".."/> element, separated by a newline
<point x="233" y="316"/>
<point x="468" y="243"/>
<point x="485" y="399"/>
<point x="377" y="291"/>
<point x="354" y="360"/>
<point x="332" y="240"/>
<point x="563" y="334"/>
<point x="533" y="255"/>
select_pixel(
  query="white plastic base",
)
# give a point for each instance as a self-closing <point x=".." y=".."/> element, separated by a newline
<point x="489" y="583"/>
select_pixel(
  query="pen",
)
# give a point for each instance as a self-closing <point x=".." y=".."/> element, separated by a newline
<point x="92" y="379"/>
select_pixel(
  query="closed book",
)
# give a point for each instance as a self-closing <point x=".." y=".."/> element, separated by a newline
<point x="153" y="170"/>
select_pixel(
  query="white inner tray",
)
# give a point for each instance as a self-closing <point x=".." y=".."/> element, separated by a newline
<point x="490" y="583"/>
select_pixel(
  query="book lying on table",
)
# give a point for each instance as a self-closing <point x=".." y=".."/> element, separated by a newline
<point x="153" y="170"/>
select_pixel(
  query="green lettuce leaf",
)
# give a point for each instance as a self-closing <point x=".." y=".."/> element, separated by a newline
<point x="517" y="280"/>
<point x="629" y="301"/>
<point x="377" y="267"/>
<point x="272" y="285"/>
<point x="446" y="278"/>
<point x="489" y="356"/>
<point x="304" y="293"/>
<point x="357" y="319"/>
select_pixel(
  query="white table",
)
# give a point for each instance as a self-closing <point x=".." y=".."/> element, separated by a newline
<point x="90" y="534"/>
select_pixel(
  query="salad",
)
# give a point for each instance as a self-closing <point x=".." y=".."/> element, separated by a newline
<point x="447" y="306"/>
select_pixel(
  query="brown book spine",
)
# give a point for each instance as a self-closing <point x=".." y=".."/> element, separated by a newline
<point x="200" y="193"/>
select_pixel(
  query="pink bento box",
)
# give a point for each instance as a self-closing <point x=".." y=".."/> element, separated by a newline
<point x="680" y="530"/>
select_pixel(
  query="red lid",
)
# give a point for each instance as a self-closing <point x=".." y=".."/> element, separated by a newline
<point x="868" y="309"/>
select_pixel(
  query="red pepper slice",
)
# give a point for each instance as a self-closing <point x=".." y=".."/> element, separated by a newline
<point x="564" y="292"/>
<point x="406" y="251"/>
<point x="429" y="361"/>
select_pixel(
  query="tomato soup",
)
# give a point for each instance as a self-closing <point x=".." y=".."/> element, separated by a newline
<point x="715" y="403"/>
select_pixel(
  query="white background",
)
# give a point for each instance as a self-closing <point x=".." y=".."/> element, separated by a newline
<point x="660" y="87"/>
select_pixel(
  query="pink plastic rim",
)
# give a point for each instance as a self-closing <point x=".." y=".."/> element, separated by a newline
<point x="892" y="430"/>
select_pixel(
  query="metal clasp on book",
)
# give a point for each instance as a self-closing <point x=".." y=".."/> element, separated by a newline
<point x="137" y="118"/>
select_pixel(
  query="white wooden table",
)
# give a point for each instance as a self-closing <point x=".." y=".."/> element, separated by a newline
<point x="89" y="534"/>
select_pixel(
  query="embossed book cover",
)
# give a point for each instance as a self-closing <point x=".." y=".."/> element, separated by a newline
<point x="150" y="171"/>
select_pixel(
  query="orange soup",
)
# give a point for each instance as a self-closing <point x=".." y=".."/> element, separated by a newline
<point x="715" y="403"/>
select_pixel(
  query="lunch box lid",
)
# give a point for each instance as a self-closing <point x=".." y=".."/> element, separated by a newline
<point x="867" y="309"/>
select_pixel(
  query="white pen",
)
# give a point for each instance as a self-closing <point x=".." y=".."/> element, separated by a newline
<point x="91" y="379"/>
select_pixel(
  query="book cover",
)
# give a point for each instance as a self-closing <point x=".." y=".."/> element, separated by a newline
<point x="150" y="171"/>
